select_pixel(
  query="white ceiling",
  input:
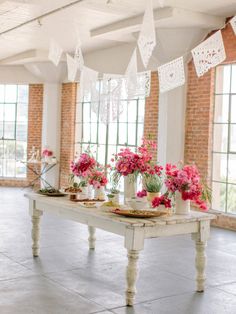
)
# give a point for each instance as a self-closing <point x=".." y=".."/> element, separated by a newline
<point x="111" y="24"/>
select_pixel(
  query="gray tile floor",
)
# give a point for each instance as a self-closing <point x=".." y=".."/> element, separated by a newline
<point x="67" y="278"/>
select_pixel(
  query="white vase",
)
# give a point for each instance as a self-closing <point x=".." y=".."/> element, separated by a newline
<point x="84" y="193"/>
<point x="99" y="193"/>
<point x="181" y="207"/>
<point x="130" y="187"/>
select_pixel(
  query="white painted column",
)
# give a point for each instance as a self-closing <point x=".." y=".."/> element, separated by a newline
<point x="171" y="126"/>
<point x="52" y="126"/>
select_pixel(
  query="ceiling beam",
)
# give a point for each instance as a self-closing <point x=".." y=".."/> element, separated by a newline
<point x="167" y="17"/>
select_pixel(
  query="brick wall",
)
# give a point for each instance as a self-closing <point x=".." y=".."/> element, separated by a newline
<point x="68" y="114"/>
<point x="151" y="111"/>
<point x="35" y="110"/>
<point x="199" y="118"/>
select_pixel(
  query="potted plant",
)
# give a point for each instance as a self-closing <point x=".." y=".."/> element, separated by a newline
<point x="98" y="180"/>
<point x="152" y="184"/>
<point x="114" y="194"/>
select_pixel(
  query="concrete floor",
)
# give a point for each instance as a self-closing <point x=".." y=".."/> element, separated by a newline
<point x="68" y="279"/>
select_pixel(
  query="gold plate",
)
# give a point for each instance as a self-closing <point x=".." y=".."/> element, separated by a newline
<point x="139" y="213"/>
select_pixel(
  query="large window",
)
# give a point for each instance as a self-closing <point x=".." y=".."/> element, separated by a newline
<point x="106" y="138"/>
<point x="224" y="140"/>
<point x="13" y="130"/>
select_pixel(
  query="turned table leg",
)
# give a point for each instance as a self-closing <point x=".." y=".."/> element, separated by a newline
<point x="131" y="276"/>
<point x="200" y="262"/>
<point x="91" y="238"/>
<point x="35" y="218"/>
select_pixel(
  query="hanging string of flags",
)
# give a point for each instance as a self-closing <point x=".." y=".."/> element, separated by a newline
<point x="206" y="55"/>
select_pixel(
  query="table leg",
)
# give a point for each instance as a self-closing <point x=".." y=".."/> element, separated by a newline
<point x="35" y="218"/>
<point x="131" y="276"/>
<point x="91" y="238"/>
<point x="200" y="262"/>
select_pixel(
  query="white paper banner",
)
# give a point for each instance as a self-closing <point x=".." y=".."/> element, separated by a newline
<point x="147" y="37"/>
<point x="79" y="57"/>
<point x="171" y="75"/>
<point x="131" y="76"/>
<point x="55" y="52"/>
<point x="209" y="53"/>
<point x="88" y="84"/>
<point x="71" y="68"/>
<point x="233" y="24"/>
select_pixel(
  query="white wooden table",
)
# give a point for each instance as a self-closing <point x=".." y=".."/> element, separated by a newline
<point x="134" y="231"/>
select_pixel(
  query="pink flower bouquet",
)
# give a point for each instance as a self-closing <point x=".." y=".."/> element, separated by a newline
<point x="97" y="179"/>
<point x="161" y="200"/>
<point x="83" y="166"/>
<point x="47" y="153"/>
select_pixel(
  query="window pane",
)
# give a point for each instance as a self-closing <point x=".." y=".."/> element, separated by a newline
<point x="10" y="93"/>
<point x="22" y="112"/>
<point x="219" y="170"/>
<point x="86" y="112"/>
<point x="79" y="107"/>
<point x="86" y="132"/>
<point x="232" y="169"/>
<point x="101" y="152"/>
<point x="219" y="196"/>
<point x="22" y="94"/>
<point x="233" y="109"/>
<point x="233" y="138"/>
<point x="94" y="132"/>
<point x="9" y="130"/>
<point x="231" y="200"/>
<point x="222" y="79"/>
<point x="1" y="112"/>
<point x="20" y="170"/>
<point x="220" y="138"/>
<point x="123" y="133"/>
<point x="1" y="150"/>
<point x="1" y="129"/>
<point x="1" y="167"/>
<point x="132" y="111"/>
<point x="233" y="82"/>
<point x="140" y="133"/>
<point x="102" y="133"/>
<point x="112" y="133"/>
<point x="123" y="115"/>
<point x="21" y="131"/>
<point x="2" y="88"/>
<point x="21" y="150"/>
<point x="10" y="112"/>
<point x="131" y="133"/>
<point x="10" y="168"/>
<point x="221" y="108"/>
<point x="141" y="110"/>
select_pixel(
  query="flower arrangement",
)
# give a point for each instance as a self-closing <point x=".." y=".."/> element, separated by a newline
<point x="97" y="178"/>
<point x="162" y="200"/>
<point x="84" y="165"/>
<point x="186" y="180"/>
<point x="142" y="193"/>
<point x="47" y="153"/>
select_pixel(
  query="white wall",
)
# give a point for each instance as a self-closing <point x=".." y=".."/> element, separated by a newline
<point x="16" y="75"/>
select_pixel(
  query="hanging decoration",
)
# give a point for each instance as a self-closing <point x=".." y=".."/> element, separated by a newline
<point x="71" y="68"/>
<point x="88" y="84"/>
<point x="147" y="36"/>
<point x="209" y="53"/>
<point x="171" y="75"/>
<point x="55" y="52"/>
<point x="233" y="24"/>
<point x="78" y="56"/>
<point x="131" y="76"/>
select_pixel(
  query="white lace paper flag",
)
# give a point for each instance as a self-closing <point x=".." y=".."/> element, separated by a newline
<point x="233" y="24"/>
<point x="147" y="37"/>
<point x="55" y="52"/>
<point x="79" y="57"/>
<point x="131" y="76"/>
<point x="209" y="53"/>
<point x="171" y="75"/>
<point x="71" y="68"/>
<point x="88" y="84"/>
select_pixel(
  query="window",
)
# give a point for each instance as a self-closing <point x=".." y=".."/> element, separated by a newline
<point x="224" y="140"/>
<point x="13" y="130"/>
<point x="105" y="139"/>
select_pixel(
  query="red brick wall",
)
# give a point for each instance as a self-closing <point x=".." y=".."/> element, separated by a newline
<point x="199" y="112"/>
<point x="34" y="130"/>
<point x="151" y="111"/>
<point x="68" y="114"/>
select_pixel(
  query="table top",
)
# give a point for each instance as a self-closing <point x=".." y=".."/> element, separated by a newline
<point x="105" y="213"/>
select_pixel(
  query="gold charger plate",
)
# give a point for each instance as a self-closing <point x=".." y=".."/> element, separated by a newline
<point x="139" y="213"/>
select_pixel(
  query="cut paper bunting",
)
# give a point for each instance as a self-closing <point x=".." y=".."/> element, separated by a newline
<point x="171" y="75"/>
<point x="147" y="36"/>
<point x="88" y="80"/>
<point x="233" y="24"/>
<point x="71" y="68"/>
<point x="79" y="57"/>
<point x="55" y="52"/>
<point x="209" y="53"/>
<point x="131" y="76"/>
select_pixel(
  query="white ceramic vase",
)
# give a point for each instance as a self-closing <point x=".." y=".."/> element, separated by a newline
<point x="130" y="187"/>
<point x="181" y="207"/>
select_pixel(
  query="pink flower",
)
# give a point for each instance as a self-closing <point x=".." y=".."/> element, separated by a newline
<point x="162" y="200"/>
<point x="97" y="179"/>
<point x="142" y="193"/>
<point x="83" y="165"/>
<point x="47" y="153"/>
